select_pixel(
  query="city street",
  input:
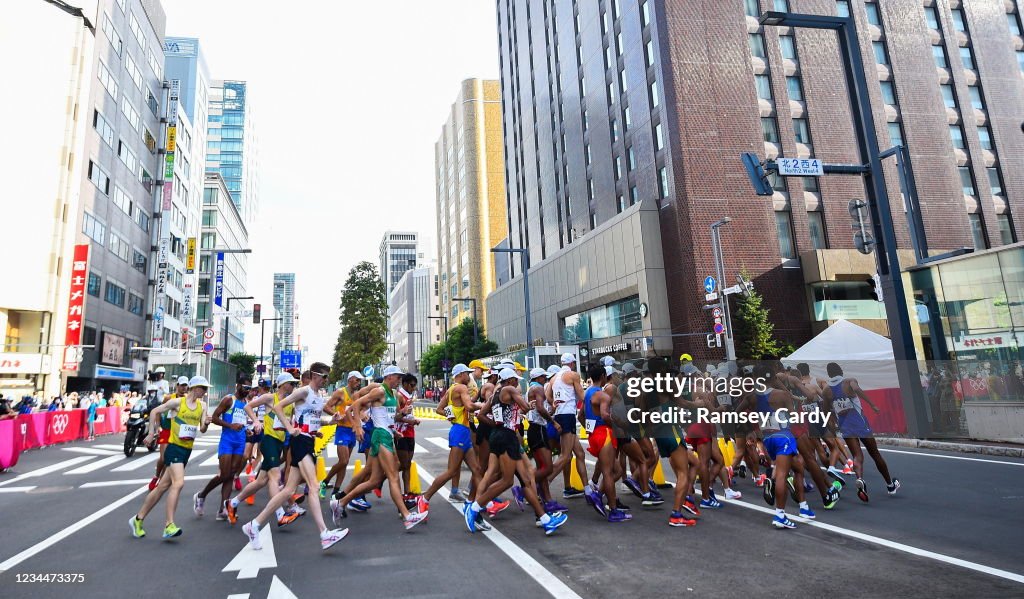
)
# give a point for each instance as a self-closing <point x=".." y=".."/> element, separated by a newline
<point x="955" y="524"/>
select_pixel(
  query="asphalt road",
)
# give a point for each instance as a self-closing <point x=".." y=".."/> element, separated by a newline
<point x="953" y="529"/>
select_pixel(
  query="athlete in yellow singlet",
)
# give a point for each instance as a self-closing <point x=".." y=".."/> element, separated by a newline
<point x="344" y="435"/>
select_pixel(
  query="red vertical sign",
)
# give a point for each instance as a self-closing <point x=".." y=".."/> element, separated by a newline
<point x="76" y="303"/>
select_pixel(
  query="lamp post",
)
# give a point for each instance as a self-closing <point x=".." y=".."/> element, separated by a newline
<point x="878" y="203"/>
<point x="526" y="293"/>
<point x="716" y="248"/>
<point x="262" y="331"/>
<point x="227" y="321"/>
<point x="445" y="319"/>
<point x="476" y="324"/>
<point x="417" y="354"/>
<point x="392" y="344"/>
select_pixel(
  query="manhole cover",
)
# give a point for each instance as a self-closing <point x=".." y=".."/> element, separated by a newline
<point x="50" y="489"/>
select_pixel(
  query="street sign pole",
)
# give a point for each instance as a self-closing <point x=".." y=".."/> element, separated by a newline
<point x="716" y="248"/>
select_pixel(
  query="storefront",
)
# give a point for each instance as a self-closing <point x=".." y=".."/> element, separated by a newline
<point x="22" y="374"/>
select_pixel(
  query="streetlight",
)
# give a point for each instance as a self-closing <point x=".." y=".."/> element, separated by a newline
<point x="476" y="338"/>
<point x="262" y="329"/>
<point x="878" y="203"/>
<point x="716" y="248"/>
<point x="526" y="292"/>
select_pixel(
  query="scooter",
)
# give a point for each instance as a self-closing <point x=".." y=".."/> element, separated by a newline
<point x="138" y="427"/>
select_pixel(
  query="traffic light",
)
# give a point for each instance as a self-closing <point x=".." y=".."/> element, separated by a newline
<point x="876" y="288"/>
<point x="757" y="174"/>
<point x="255" y="313"/>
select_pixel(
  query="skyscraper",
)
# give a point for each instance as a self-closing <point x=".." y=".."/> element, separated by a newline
<point x="471" y="209"/>
<point x="413" y="300"/>
<point x="398" y="253"/>
<point x="232" y="144"/>
<point x="284" y="303"/>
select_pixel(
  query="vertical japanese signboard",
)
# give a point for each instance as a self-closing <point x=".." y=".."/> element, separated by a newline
<point x="190" y="256"/>
<point x="76" y="305"/>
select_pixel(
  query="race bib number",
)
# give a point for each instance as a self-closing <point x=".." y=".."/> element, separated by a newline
<point x="497" y="414"/>
<point x="311" y="421"/>
<point x="448" y="413"/>
<point x="590" y="425"/>
<point x="239" y="415"/>
<point x="843" y="405"/>
<point x="809" y="407"/>
<point x="391" y="410"/>
<point x="725" y="399"/>
<point x="187" y="432"/>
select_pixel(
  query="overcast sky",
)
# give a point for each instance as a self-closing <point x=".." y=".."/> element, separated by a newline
<point x="349" y="99"/>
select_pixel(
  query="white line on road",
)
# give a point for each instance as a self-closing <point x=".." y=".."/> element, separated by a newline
<point x="134" y="481"/>
<point x="138" y="463"/>
<point x="951" y="457"/>
<point x="111" y="447"/>
<point x="213" y="460"/>
<point x="278" y="590"/>
<point x="67" y="532"/>
<point x="16" y="489"/>
<point x="90" y="450"/>
<point x="239" y="596"/>
<point x="96" y="465"/>
<point x="442" y="443"/>
<point x="49" y="469"/>
<point x="548" y="581"/>
<point x="421" y="449"/>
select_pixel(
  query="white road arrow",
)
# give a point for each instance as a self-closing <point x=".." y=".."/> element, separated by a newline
<point x="279" y="591"/>
<point x="249" y="561"/>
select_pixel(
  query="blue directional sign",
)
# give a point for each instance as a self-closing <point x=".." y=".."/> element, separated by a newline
<point x="291" y="358"/>
<point x="368" y="372"/>
<point x="709" y="284"/>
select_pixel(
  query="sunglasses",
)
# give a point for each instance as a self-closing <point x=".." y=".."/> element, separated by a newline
<point x="320" y="374"/>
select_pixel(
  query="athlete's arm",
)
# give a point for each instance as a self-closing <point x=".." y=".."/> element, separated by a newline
<point x="222" y="407"/>
<point x="855" y="387"/>
<point x="331" y="405"/>
<point x="517" y="396"/>
<point x="485" y="411"/>
<point x="154" y="416"/>
<point x="204" y="420"/>
<point x="250" y="410"/>
<point x="441" y="405"/>
<point x="577" y="385"/>
<point x="604" y="404"/>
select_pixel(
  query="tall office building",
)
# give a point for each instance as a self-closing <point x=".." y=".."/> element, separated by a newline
<point x="471" y="210"/>
<point x="614" y="104"/>
<point x="399" y="252"/>
<point x="284" y="303"/>
<point x="411" y="303"/>
<point x="232" y="148"/>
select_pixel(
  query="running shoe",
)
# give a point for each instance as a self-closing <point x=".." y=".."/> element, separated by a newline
<point x="831" y="498"/>
<point x="470" y="517"/>
<point x="808" y="486"/>
<point x="633" y="486"/>
<point x="789" y="483"/>
<point x="287" y="518"/>
<point x="377" y="492"/>
<point x="655" y="493"/>
<point x="232" y="514"/>
<point x="238" y="484"/>
<point x="422" y="505"/>
<point x="363" y="503"/>
<point x="553" y="506"/>
<point x="298" y="510"/>
<point x="456" y="496"/>
<point x="783" y="522"/>
<point x="357" y="507"/>
<point x="323" y="489"/>
<point x="595" y="501"/>
<point x="298" y="498"/>
<point x="153" y="483"/>
<point x="769" y="491"/>
<point x="618" y="516"/>
<point x="571" y="493"/>
<point x="862" y="490"/>
<point x="222" y="513"/>
<point x="678" y="519"/>
<point x="759" y="481"/>
<point x="409" y="501"/>
<point x="895" y="486"/>
<point x="741" y="470"/>
<point x="836" y="474"/>
<point x="730" y="494"/>
<point x="137" y="530"/>
<point x="337" y="511"/>
<point x="413" y="519"/>
<point x="557" y="519"/>
<point x="837" y="487"/>
<point x="690" y="506"/>
<point x="329" y="538"/>
<point x="197" y="505"/>
<point x="650" y="499"/>
<point x="806" y="512"/>
<point x="496" y="507"/>
<point x="252" y="530"/>
<point x="517" y="494"/>
<point x="621" y="506"/>
<point x="171" y="531"/>
<point x="481" y="524"/>
<point x="711" y="503"/>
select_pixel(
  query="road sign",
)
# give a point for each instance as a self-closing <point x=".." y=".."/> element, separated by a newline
<point x="709" y="284"/>
<point x="719" y="328"/>
<point x="368" y="372"/>
<point x="208" y="334"/>
<point x="208" y="347"/>
<point x="261" y="368"/>
<point x="714" y="340"/>
<point x="291" y="358"/>
<point x="732" y="290"/>
<point x="710" y="297"/>
<point x="446" y="364"/>
<point x="716" y="312"/>
<point x="800" y="167"/>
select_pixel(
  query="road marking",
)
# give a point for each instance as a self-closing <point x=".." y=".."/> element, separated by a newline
<point x="548" y="581"/>
<point x="90" y="450"/>
<point x="134" y="481"/>
<point x="48" y="469"/>
<point x="16" y="489"/>
<point x="138" y="463"/>
<point x="421" y="449"/>
<point x="213" y="460"/>
<point x="96" y="465"/>
<point x="887" y="543"/>
<point x="67" y="532"/>
<point x="442" y="443"/>
<point x="249" y="561"/>
<point x="112" y="447"/>
<point x="239" y="596"/>
<point x="278" y="590"/>
<point x="952" y="457"/>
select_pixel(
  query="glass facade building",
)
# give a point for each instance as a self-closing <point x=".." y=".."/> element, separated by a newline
<point x="231" y="144"/>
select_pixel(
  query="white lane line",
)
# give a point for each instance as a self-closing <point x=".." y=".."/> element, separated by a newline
<point x="951" y="457"/>
<point x="887" y="543"/>
<point x="112" y="447"/>
<point x="213" y="460"/>
<point x="48" y="469"/>
<point x="90" y="450"/>
<point x="67" y="532"/>
<point x="442" y="443"/>
<point x="16" y="489"/>
<point x="96" y="465"/>
<point x="548" y="581"/>
<point x="421" y="449"/>
<point x="137" y="463"/>
<point x="134" y="481"/>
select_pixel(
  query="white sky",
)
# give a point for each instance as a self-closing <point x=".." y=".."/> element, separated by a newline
<point x="349" y="99"/>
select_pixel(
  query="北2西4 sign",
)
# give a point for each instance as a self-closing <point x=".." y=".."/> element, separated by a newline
<point x="800" y="167"/>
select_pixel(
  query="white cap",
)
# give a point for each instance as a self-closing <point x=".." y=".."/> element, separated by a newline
<point x="494" y="372"/>
<point x="160" y="370"/>
<point x="285" y="377"/>
<point x="554" y="369"/>
<point x="503" y="365"/>
<point x="629" y="368"/>
<point x="182" y="380"/>
<point x="460" y="368"/>
<point x="568" y="358"/>
<point x="610" y="370"/>
<point x="536" y="373"/>
<point x="390" y="370"/>
<point x="508" y="373"/>
<point x="355" y="374"/>
<point x="608" y="361"/>
<point x="198" y="381"/>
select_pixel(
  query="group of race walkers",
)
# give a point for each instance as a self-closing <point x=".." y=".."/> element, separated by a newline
<point x="493" y="426"/>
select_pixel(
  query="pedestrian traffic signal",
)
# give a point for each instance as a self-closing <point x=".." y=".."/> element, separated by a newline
<point x="757" y="174"/>
<point x="876" y="288"/>
<point x="255" y="313"/>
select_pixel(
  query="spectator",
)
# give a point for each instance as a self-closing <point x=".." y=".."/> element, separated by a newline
<point x="91" y="418"/>
<point x="25" y="406"/>
<point x="6" y="411"/>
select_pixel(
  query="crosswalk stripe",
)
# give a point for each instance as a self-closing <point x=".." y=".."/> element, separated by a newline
<point x="134" y="481"/>
<point x="48" y="469"/>
<point x="442" y="443"/>
<point x="421" y="449"/>
<point x="137" y="463"/>
<point x="96" y="465"/>
<point x="213" y="460"/>
<point x="89" y="450"/>
<point x="16" y="489"/>
<point x="109" y="446"/>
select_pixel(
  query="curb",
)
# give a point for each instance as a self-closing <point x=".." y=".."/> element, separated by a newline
<point x="992" y="450"/>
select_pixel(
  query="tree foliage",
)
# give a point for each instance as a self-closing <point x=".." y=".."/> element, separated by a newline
<point x="363" y="321"/>
<point x="755" y="332"/>
<point x="245" y="363"/>
<point x="458" y="349"/>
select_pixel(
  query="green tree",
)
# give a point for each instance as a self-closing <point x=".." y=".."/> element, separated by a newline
<point x="363" y="321"/>
<point x="459" y="348"/>
<point x="754" y="330"/>
<point x="245" y="363"/>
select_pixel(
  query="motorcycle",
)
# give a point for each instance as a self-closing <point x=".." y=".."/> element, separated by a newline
<point x="138" y="428"/>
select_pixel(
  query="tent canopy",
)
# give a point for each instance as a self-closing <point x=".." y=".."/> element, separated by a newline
<point x="862" y="354"/>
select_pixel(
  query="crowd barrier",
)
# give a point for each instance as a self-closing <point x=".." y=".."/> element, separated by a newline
<point x="29" y="431"/>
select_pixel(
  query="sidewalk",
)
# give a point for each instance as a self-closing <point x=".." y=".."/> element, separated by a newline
<point x="1006" y="450"/>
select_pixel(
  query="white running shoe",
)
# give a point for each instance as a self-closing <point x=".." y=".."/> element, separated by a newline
<point x="197" y="505"/>
<point x="252" y="530"/>
<point x="329" y="538"/>
<point x="730" y="494"/>
<point x="414" y="518"/>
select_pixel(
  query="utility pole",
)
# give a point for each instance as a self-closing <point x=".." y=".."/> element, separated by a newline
<point x="716" y="247"/>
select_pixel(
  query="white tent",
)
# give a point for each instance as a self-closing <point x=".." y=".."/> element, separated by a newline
<point x="863" y="355"/>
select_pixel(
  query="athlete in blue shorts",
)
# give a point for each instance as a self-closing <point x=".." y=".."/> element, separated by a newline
<point x="231" y="417"/>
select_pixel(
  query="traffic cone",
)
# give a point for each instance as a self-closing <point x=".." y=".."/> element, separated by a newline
<point x="659" y="477"/>
<point x="414" y="480"/>
<point x="321" y="469"/>
<point x="357" y="467"/>
<point x="574" y="476"/>
<point x="583" y="433"/>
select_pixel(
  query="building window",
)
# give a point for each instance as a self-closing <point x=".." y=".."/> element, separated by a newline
<point x="881" y="55"/>
<point x="888" y="92"/>
<point x="114" y="294"/>
<point x="769" y="129"/>
<point x="956" y="133"/>
<point x="802" y="131"/>
<point x="631" y="158"/>
<point x="99" y="177"/>
<point x="130" y="113"/>
<point x="134" y="304"/>
<point x="118" y="246"/>
<point x="620" y="204"/>
<point x="752" y="8"/>
<point x="764" y="87"/>
<point x="208" y="241"/>
<point x="985" y="135"/>
<point x="210" y="196"/>
<point x="655" y="100"/>
<point x="618" y="167"/>
<point x="948" y="95"/>
<point x="107" y="80"/>
<point x="967" y="57"/>
<point x="787" y="43"/>
<point x="816" y="227"/>
<point x="93" y="286"/>
<point x="781" y="5"/>
<point x="103" y="127"/>
<point x="978" y="231"/>
<point x="995" y="180"/>
<point x="1013" y="23"/>
<point x="777" y="181"/>
<point x="659" y="137"/>
<point x="141" y="219"/>
<point x="895" y="134"/>
<point x="139" y="261"/>
<point x="649" y="53"/>
<point x="663" y="181"/>
<point x="128" y="158"/>
<point x="645" y="13"/>
<point x="958" y="20"/>
<point x="967" y="180"/>
<point x="939" y="53"/>
<point x="843" y="8"/>
<point x="134" y="72"/>
<point x="610" y="320"/>
<point x="1006" y="233"/>
<point x="931" y="15"/>
<point x="796" y="91"/>
<point x="1020" y="59"/>
<point x="811" y="184"/>
<point x="209" y="218"/>
<point x="112" y="35"/>
<point x="120" y="199"/>
<point x="784" y="228"/>
<point x="874" y="16"/>
<point x="93" y="228"/>
<point x="977" y="102"/>
<point x="757" y="47"/>
<point x="634" y="196"/>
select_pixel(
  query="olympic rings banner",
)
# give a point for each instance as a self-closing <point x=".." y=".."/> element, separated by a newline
<point x="29" y="431"/>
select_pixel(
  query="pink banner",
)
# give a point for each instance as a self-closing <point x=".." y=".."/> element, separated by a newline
<point x="890" y="418"/>
<point x="64" y="426"/>
<point x="32" y="430"/>
<point x="10" y="443"/>
<point x="108" y="421"/>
